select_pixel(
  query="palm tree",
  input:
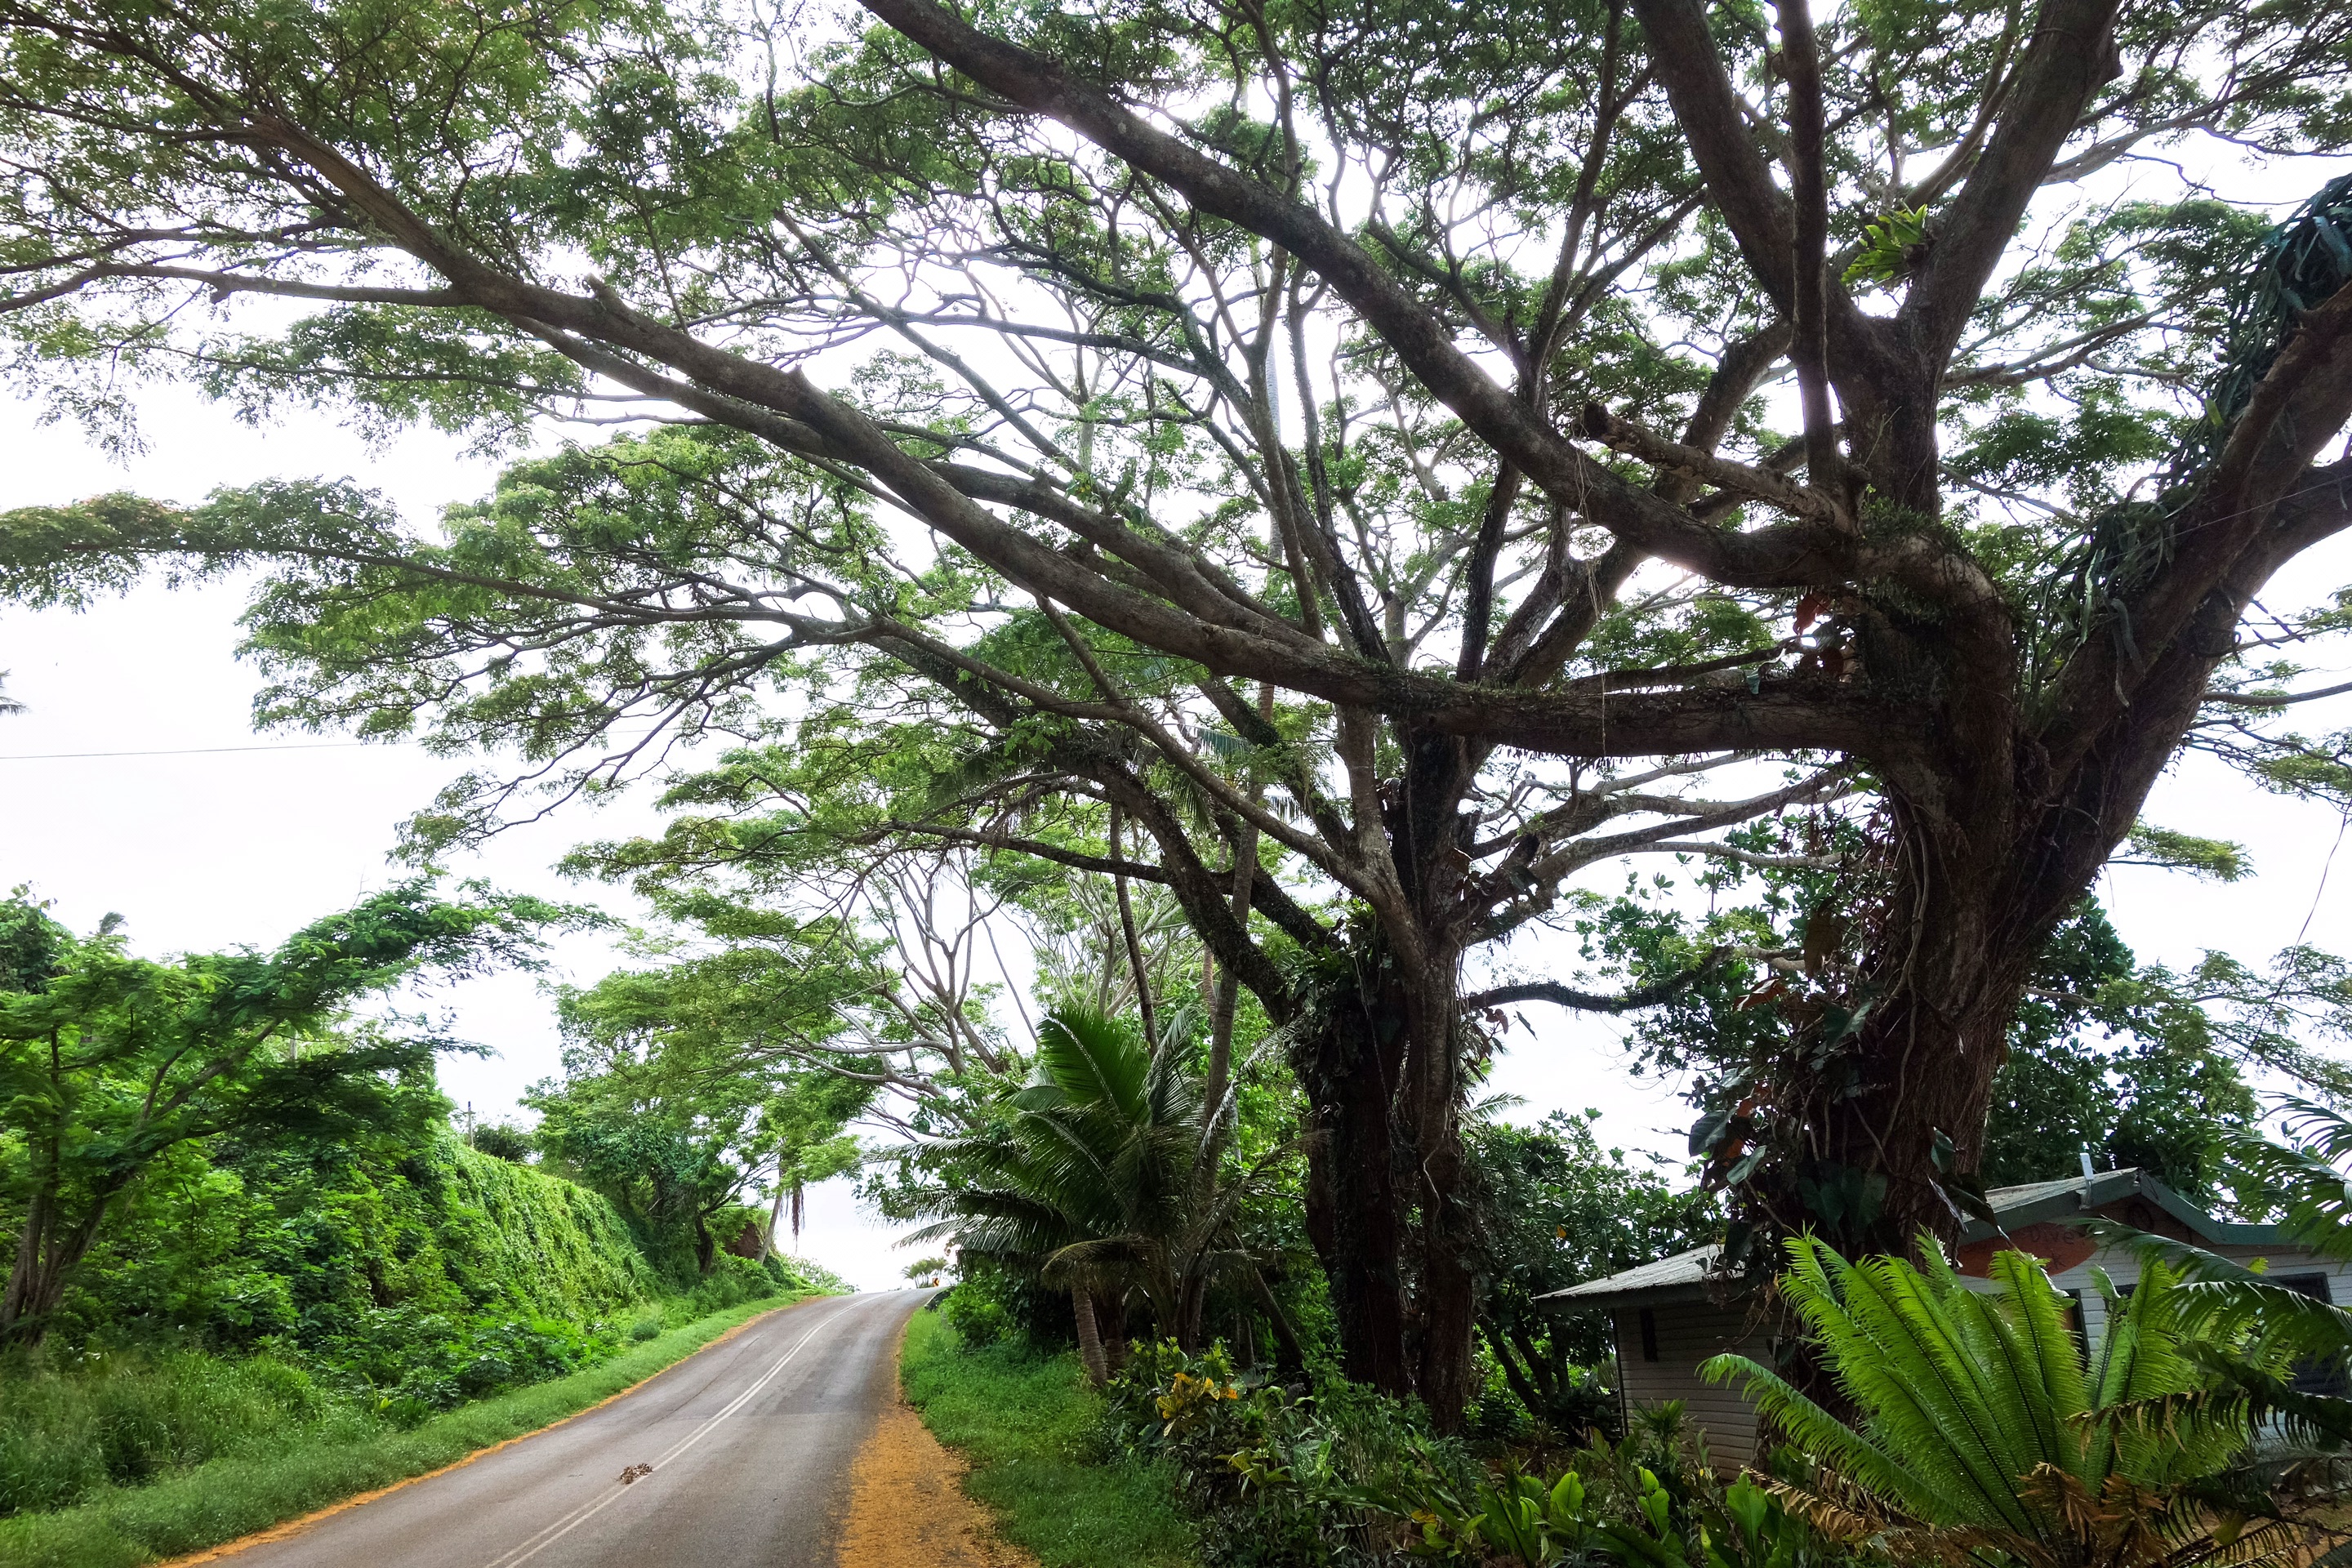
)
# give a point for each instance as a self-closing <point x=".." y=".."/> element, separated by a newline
<point x="1109" y="1178"/>
<point x="1985" y="1435"/>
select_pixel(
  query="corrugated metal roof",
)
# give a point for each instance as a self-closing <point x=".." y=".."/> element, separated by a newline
<point x="1686" y="1276"/>
<point x="1681" y="1269"/>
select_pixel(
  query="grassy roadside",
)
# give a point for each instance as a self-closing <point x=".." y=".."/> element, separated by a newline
<point x="226" y="1499"/>
<point x="1020" y="1420"/>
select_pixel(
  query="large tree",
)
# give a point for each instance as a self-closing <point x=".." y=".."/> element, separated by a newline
<point x="109" y="1063"/>
<point x="686" y="1083"/>
<point x="1346" y="449"/>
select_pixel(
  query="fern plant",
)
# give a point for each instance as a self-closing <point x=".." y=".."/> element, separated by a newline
<point x="1987" y="1436"/>
<point x="2249" y="1330"/>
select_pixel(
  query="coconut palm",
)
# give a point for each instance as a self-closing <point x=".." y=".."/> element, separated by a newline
<point x="1109" y="1178"/>
<point x="1987" y="1436"/>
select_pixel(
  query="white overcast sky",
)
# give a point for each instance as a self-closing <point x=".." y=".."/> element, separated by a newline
<point x="201" y="849"/>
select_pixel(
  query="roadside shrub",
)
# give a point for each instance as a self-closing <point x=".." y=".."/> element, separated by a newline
<point x="731" y="1281"/>
<point x="1276" y="1479"/>
<point x="121" y="1417"/>
<point x="800" y="1274"/>
<point x="271" y="1297"/>
<point x="977" y="1316"/>
<point x="1345" y="1476"/>
<point x="504" y="1141"/>
<point x="990" y="1306"/>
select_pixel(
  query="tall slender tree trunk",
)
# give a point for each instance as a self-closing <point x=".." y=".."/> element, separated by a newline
<point x="1110" y="1327"/>
<point x="1518" y="1377"/>
<point x="1090" y="1345"/>
<point x="706" y="1246"/>
<point x="1191" y="1304"/>
<point x="1289" y="1355"/>
<point x="1447" y="1297"/>
<point x="776" y="1215"/>
<point x="24" y="1276"/>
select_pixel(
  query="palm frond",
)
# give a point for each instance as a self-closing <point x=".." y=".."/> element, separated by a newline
<point x="1095" y="1059"/>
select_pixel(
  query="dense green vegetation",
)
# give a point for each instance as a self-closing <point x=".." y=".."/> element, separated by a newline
<point x="274" y="1245"/>
<point x="1982" y="1427"/>
<point x="1298" y="488"/>
<point x="1108" y="1179"/>
<point x="1308" y="483"/>
<point x="111" y="1065"/>
<point x="338" y="1452"/>
<point x="1027" y="1422"/>
<point x="351" y="1293"/>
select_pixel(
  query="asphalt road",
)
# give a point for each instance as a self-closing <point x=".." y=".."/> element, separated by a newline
<point x="751" y="1444"/>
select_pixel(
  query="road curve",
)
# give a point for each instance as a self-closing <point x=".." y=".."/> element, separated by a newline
<point x="751" y="1444"/>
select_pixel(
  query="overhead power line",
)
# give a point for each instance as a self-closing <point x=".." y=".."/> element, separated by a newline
<point x="180" y="752"/>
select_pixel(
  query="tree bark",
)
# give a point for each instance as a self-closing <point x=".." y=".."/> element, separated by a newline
<point x="1290" y="1356"/>
<point x="706" y="1246"/>
<point x="1347" y="1061"/>
<point x="46" y="1256"/>
<point x="24" y="1276"/>
<point x="1191" y="1306"/>
<point x="1515" y="1376"/>
<point x="1090" y="1346"/>
<point x="776" y="1215"/>
<point x="1110" y="1327"/>
<point x="1447" y="1293"/>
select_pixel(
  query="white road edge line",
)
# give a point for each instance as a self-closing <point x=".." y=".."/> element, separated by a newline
<point x="579" y="1516"/>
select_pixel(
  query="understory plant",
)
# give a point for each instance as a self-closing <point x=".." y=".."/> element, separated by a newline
<point x="1109" y="1178"/>
<point x="1346" y="1476"/>
<point x="1983" y="1432"/>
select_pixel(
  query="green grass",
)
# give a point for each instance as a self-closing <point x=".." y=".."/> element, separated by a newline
<point x="224" y="1498"/>
<point x="1022" y="1421"/>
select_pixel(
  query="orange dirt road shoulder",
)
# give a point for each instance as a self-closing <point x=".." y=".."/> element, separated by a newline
<point x="908" y="1506"/>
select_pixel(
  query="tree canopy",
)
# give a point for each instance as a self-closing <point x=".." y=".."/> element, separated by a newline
<point x="1352" y="467"/>
<point x="109" y="1062"/>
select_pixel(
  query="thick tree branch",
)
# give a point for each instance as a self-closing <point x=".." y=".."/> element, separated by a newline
<point x="2274" y="700"/>
<point x="2224" y="542"/>
<point x="2072" y="55"/>
<point x="1808" y="345"/>
<point x="1788" y="556"/>
<point x="1713" y="123"/>
<point x="1567" y="996"/>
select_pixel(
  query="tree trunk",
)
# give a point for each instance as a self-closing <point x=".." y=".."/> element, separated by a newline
<point x="1090" y="1347"/>
<point x="1191" y="1306"/>
<point x="706" y="1246"/>
<point x="1347" y="1061"/>
<point x="1536" y="1405"/>
<point x="1538" y="1368"/>
<point x="47" y="1253"/>
<point x="1447" y="1295"/>
<point x="775" y="1217"/>
<point x="25" y="1278"/>
<point x="1110" y="1327"/>
<point x="1964" y="915"/>
<point x="1289" y="1355"/>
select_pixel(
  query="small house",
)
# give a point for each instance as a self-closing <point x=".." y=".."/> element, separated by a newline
<point x="1670" y="1316"/>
